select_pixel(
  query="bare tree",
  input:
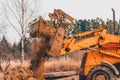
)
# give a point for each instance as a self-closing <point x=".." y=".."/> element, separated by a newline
<point x="19" y="13"/>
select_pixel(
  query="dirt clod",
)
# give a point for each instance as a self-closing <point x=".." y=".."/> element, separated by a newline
<point x="18" y="73"/>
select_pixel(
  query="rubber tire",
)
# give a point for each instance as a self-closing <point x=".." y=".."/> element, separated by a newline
<point x="82" y="77"/>
<point x="107" y="72"/>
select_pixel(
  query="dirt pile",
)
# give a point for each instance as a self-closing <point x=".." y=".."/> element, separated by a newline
<point x="19" y="73"/>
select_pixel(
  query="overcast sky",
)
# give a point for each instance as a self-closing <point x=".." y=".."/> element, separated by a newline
<point x="79" y="9"/>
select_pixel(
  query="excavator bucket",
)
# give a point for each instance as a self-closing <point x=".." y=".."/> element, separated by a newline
<point x="42" y="27"/>
<point x="57" y="42"/>
<point x="53" y="36"/>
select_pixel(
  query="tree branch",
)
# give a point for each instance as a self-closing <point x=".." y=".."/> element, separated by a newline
<point x="12" y="25"/>
<point x="33" y="11"/>
<point x="13" y="13"/>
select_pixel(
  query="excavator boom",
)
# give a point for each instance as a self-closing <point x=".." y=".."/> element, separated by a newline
<point x="57" y="35"/>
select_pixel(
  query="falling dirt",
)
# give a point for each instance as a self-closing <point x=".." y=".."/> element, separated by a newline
<point x="38" y="58"/>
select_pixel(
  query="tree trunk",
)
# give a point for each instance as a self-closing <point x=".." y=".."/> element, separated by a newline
<point x="23" y="33"/>
<point x="22" y="13"/>
<point x="22" y="54"/>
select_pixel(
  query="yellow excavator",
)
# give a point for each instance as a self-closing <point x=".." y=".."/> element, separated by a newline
<point x="100" y="62"/>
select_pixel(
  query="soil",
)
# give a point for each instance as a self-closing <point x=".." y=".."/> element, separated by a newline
<point x="19" y="73"/>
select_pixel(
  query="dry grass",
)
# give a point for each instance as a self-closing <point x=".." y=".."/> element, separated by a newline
<point x="51" y="65"/>
<point x="71" y="62"/>
<point x="62" y="64"/>
<point x="15" y="63"/>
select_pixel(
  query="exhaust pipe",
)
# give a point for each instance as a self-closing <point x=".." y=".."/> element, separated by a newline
<point x="113" y="20"/>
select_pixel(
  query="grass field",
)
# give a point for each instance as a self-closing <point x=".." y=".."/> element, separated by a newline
<point x="62" y="64"/>
<point x="70" y="62"/>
